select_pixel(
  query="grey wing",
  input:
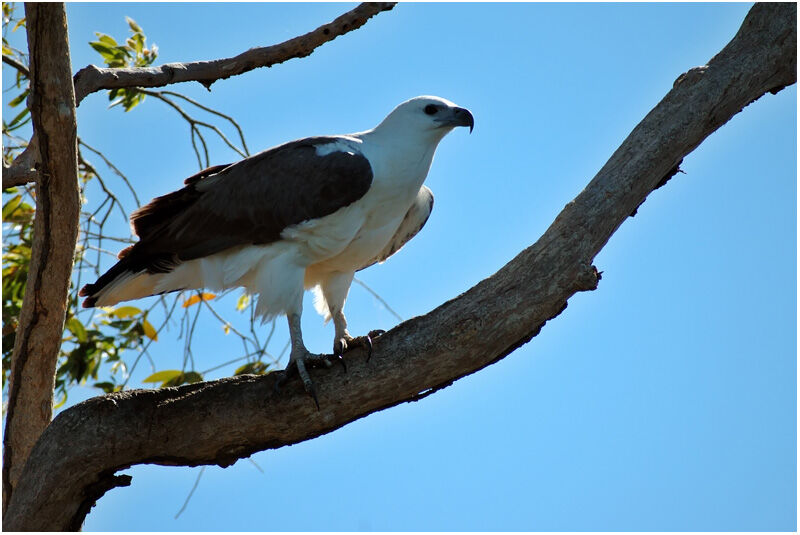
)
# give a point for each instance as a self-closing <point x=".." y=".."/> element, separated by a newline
<point x="412" y="223"/>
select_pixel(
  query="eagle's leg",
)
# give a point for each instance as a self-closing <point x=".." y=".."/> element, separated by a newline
<point x="343" y="341"/>
<point x="300" y="356"/>
<point x="335" y="288"/>
<point x="341" y="338"/>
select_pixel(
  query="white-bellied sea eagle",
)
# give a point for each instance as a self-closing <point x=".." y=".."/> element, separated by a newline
<point x="305" y="214"/>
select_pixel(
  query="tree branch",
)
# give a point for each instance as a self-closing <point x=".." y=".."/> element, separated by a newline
<point x="92" y="78"/>
<point x="41" y="321"/>
<point x="8" y="60"/>
<point x="221" y="421"/>
<point x="23" y="169"/>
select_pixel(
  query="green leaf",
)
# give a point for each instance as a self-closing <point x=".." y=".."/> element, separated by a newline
<point x="125" y="312"/>
<point x="19" y="99"/>
<point x="163" y="376"/>
<point x="105" y="386"/>
<point x="149" y="330"/>
<point x="107" y="39"/>
<point x="187" y="377"/>
<point x="256" y="367"/>
<point x="76" y="327"/>
<point x="60" y="403"/>
<point x="135" y="27"/>
<point x="22" y="214"/>
<point x="105" y="50"/>
<point x="11" y="205"/>
<point x="243" y="301"/>
<point x="136" y="42"/>
<point x="17" y="119"/>
<point x="132" y="99"/>
<point x="192" y="377"/>
<point x="110" y="54"/>
<point x="20" y="22"/>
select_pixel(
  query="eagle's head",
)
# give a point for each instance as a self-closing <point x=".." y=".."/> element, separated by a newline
<point x="428" y="116"/>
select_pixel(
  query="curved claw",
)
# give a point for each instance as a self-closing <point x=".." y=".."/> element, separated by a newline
<point x="339" y="347"/>
<point x="369" y="347"/>
<point x="372" y="334"/>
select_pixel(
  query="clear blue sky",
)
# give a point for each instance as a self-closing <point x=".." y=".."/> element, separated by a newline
<point x="665" y="400"/>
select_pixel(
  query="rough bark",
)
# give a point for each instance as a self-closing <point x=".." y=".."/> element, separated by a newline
<point x="92" y="78"/>
<point x="219" y="422"/>
<point x="55" y="231"/>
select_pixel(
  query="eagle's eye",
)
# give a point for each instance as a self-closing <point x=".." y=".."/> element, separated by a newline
<point x="430" y="109"/>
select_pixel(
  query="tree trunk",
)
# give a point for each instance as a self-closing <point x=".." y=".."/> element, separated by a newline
<point x="55" y="231"/>
<point x="221" y="421"/>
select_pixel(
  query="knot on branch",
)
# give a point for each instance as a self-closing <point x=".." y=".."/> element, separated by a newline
<point x="85" y="72"/>
<point x="691" y="76"/>
<point x="587" y="278"/>
<point x="230" y="454"/>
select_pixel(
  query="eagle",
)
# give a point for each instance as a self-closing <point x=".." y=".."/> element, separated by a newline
<point x="306" y="214"/>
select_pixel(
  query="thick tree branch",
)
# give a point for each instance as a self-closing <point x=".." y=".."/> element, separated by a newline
<point x="221" y="421"/>
<point x="55" y="231"/>
<point x="92" y="78"/>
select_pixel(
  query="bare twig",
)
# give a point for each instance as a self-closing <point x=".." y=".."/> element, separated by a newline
<point x="189" y="496"/>
<point x="92" y="78"/>
<point x="193" y="123"/>
<point x="111" y="238"/>
<point x="91" y="169"/>
<point x="379" y="298"/>
<point x="113" y="167"/>
<point x="215" y="112"/>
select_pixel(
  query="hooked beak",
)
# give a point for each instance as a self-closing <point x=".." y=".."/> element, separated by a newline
<point x="458" y="117"/>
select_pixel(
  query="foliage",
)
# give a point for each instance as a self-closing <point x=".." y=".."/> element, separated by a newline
<point x="134" y="53"/>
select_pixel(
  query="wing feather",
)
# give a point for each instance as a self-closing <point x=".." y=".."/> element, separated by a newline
<point x="252" y="201"/>
<point x="248" y="202"/>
